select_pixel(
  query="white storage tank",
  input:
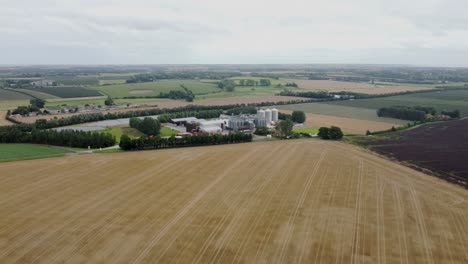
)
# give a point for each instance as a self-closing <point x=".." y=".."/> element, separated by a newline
<point x="268" y="116"/>
<point x="261" y="114"/>
<point x="274" y="114"/>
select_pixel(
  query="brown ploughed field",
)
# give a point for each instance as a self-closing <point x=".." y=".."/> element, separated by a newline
<point x="440" y="147"/>
<point x="298" y="201"/>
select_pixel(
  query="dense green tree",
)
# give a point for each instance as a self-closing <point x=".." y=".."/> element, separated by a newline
<point x="126" y="143"/>
<point x="39" y="103"/>
<point x="298" y="116"/>
<point x="330" y="133"/>
<point x="323" y="133"/>
<point x="148" y="125"/>
<point x="335" y="133"/>
<point x="227" y="85"/>
<point x="452" y="114"/>
<point x="262" y="131"/>
<point x="285" y="127"/>
<point x="109" y="101"/>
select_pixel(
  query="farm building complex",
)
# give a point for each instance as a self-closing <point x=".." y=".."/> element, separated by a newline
<point x="242" y="122"/>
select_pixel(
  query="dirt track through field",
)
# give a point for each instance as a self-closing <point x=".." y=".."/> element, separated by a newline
<point x="298" y="201"/>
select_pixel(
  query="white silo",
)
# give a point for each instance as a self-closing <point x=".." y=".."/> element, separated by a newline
<point x="261" y="114"/>
<point x="268" y="116"/>
<point x="274" y="114"/>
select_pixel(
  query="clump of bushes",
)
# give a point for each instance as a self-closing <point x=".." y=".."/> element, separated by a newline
<point x="262" y="131"/>
<point x="332" y="133"/>
<point x="147" y="126"/>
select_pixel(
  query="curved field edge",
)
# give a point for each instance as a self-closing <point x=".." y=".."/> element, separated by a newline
<point x="284" y="201"/>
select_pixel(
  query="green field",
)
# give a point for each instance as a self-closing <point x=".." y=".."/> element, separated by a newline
<point x="118" y="131"/>
<point x="10" y="152"/>
<point x="244" y="91"/>
<point x="341" y="111"/>
<point x="65" y="92"/>
<point x="155" y="88"/>
<point x="446" y="100"/>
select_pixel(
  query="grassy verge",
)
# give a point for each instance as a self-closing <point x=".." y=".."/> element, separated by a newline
<point x="167" y="132"/>
<point x="118" y="131"/>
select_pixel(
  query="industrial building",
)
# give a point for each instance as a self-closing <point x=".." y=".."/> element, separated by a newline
<point x="263" y="118"/>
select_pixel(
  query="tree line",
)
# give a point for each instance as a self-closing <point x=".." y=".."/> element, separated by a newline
<point x="250" y="82"/>
<point x="401" y="112"/>
<point x="35" y="105"/>
<point x="319" y="94"/>
<point x="184" y="75"/>
<point x="331" y="133"/>
<point x="414" y="113"/>
<point x="326" y="96"/>
<point x="142" y="143"/>
<point x="69" y="138"/>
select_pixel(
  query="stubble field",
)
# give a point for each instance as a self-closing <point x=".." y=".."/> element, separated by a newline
<point x="356" y="87"/>
<point x="273" y="202"/>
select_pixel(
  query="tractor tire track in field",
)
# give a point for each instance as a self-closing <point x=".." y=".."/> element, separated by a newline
<point x="228" y="232"/>
<point x="211" y="237"/>
<point x="91" y="204"/>
<point x="101" y="228"/>
<point x="308" y="223"/>
<point x="299" y="205"/>
<point x="357" y="214"/>
<point x="240" y="251"/>
<point x="186" y="209"/>
<point x="221" y="202"/>
<point x="402" y="244"/>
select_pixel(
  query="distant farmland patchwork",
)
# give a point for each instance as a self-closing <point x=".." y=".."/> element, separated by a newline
<point x="155" y="88"/>
<point x="446" y="100"/>
<point x="65" y="92"/>
<point x="12" y="95"/>
<point x="356" y="87"/>
<point x="271" y="202"/>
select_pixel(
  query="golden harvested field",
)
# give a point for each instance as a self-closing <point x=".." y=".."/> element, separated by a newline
<point x="306" y="201"/>
<point x="365" y="88"/>
<point x="3" y="121"/>
<point x="348" y="125"/>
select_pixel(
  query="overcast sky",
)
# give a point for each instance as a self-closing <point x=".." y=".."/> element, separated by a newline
<point x="418" y="32"/>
